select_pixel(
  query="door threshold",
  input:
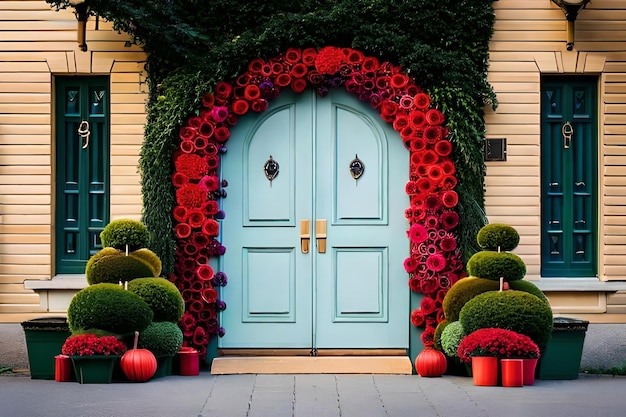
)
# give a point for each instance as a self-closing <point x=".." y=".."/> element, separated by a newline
<point x="225" y="365"/>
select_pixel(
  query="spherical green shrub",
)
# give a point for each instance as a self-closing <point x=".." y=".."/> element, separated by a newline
<point x="115" y="268"/>
<point x="161" y="338"/>
<point x="511" y="310"/>
<point x="122" y="232"/>
<point x="498" y="235"/>
<point x="451" y="338"/>
<point x="150" y="258"/>
<point x="162" y="296"/>
<point x="438" y="330"/>
<point x="108" y="307"/>
<point x="529" y="287"/>
<point x="462" y="291"/>
<point x="493" y="265"/>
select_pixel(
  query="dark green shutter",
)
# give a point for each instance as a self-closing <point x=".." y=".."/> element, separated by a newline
<point x="81" y="169"/>
<point x="569" y="177"/>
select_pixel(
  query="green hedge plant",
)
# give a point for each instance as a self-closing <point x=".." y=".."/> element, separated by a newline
<point x="161" y="338"/>
<point x="108" y="307"/>
<point x="462" y="291"/>
<point x="512" y="310"/>
<point x="493" y="265"/>
<point x="162" y="296"/>
<point x="451" y="338"/>
<point x="115" y="267"/>
<point x="122" y="232"/>
<point x="498" y="236"/>
<point x="150" y="258"/>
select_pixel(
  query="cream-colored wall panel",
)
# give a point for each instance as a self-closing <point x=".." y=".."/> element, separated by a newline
<point x="25" y="169"/>
<point x="25" y="209"/>
<point x="26" y="219"/>
<point x="121" y="129"/>
<point x="31" y="239"/>
<point x="128" y="119"/>
<point x="503" y="170"/>
<point x="514" y="108"/>
<point x="21" y="249"/>
<point x="528" y="97"/>
<point x="126" y="189"/>
<point x="528" y="202"/>
<point x="519" y="118"/>
<point x="511" y="87"/>
<point x="136" y="97"/>
<point x="24" y="179"/>
<point x="497" y="181"/>
<point x="513" y="189"/>
<point x="27" y="259"/>
<point x="576" y="302"/>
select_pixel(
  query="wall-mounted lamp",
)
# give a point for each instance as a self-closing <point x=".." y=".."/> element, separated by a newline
<point x="81" y="11"/>
<point x="571" y="8"/>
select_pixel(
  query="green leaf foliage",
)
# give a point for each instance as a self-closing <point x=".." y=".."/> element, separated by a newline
<point x="161" y="295"/>
<point x="161" y="338"/>
<point x="437" y="337"/>
<point x="451" y="338"/>
<point x="116" y="267"/>
<point x="108" y="307"/>
<point x="462" y="291"/>
<point x="121" y="233"/>
<point x="513" y="310"/>
<point x="150" y="258"/>
<point x="193" y="44"/>
<point x="498" y="236"/>
<point x="493" y="265"/>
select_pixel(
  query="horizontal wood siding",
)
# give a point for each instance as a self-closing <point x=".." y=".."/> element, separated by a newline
<point x="37" y="43"/>
<point x="528" y="42"/>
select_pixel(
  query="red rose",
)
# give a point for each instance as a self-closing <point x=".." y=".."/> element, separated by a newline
<point x="252" y="92"/>
<point x="255" y="65"/>
<point x="186" y="133"/>
<point x="399" y="81"/>
<point x="182" y="230"/>
<point x="298" y="85"/>
<point x="443" y="148"/>
<point x="422" y="101"/>
<point x="308" y="56"/>
<point x="293" y="55"/>
<point x="208" y="100"/>
<point x="222" y="134"/>
<point x="283" y="80"/>
<point x="223" y="90"/>
<point x="417" y="233"/>
<point x="450" y="199"/>
<point x="179" y="179"/>
<point x="180" y="214"/>
<point x="259" y="105"/>
<point x="417" y="318"/>
<point x="240" y="107"/>
<point x="432" y="134"/>
<point x="434" y="117"/>
<point x="211" y="228"/>
<point x="195" y="218"/>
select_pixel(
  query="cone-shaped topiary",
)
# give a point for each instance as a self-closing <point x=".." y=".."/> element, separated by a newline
<point x="115" y="268"/>
<point x="512" y="310"/>
<point x="498" y="235"/>
<point x="150" y="258"/>
<point x="161" y="338"/>
<point x="462" y="291"/>
<point x="162" y="296"/>
<point x="108" y="307"/>
<point x="451" y="338"/>
<point x="493" y="265"/>
<point x="122" y="232"/>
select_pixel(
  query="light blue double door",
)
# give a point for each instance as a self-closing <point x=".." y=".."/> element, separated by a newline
<point x="314" y="255"/>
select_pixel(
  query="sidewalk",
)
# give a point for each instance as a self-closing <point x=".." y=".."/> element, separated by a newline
<point x="312" y="396"/>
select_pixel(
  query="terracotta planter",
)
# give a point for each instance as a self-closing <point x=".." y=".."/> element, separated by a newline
<point x="485" y="370"/>
<point x="512" y="372"/>
<point x="530" y="365"/>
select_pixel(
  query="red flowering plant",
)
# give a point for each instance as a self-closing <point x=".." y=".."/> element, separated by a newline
<point x="90" y="344"/>
<point x="434" y="263"/>
<point x="500" y="343"/>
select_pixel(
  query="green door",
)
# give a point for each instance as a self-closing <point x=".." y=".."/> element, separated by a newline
<point x="316" y="253"/>
<point x="568" y="177"/>
<point x="81" y="169"/>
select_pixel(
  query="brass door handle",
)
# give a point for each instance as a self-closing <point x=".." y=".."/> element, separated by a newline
<point x="320" y="235"/>
<point x="305" y="235"/>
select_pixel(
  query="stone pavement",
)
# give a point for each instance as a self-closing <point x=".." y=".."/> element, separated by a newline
<point x="318" y="395"/>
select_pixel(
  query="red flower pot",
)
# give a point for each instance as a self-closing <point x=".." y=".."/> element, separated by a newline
<point x="485" y="370"/>
<point x="529" y="370"/>
<point x="512" y="372"/>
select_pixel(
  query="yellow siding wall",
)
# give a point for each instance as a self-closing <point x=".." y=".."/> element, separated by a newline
<point x="529" y="41"/>
<point x="37" y="43"/>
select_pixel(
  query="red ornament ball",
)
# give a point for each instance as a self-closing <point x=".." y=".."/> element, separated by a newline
<point x="430" y="362"/>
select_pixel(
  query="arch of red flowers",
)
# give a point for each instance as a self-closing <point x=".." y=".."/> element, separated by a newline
<point x="434" y="262"/>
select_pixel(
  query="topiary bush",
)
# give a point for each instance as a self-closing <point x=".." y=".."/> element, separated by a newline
<point x="122" y="232"/>
<point x="511" y="310"/>
<point x="498" y="236"/>
<point x="462" y="291"/>
<point x="150" y="258"/>
<point x="162" y="296"/>
<point x="493" y="265"/>
<point x="451" y="338"/>
<point x="529" y="287"/>
<point x="108" y="307"/>
<point x="437" y="336"/>
<point x="116" y="267"/>
<point x="161" y="338"/>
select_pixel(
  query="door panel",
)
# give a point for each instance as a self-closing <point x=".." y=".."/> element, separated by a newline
<point x="344" y="296"/>
<point x="569" y="177"/>
<point x="82" y="170"/>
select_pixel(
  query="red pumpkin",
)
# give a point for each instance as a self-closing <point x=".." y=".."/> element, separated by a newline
<point x="138" y="364"/>
<point x="431" y="362"/>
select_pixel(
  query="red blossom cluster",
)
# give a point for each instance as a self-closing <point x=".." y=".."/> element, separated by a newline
<point x="90" y="344"/>
<point x="497" y="342"/>
<point x="434" y="263"/>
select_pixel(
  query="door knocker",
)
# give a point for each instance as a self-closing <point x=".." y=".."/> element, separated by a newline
<point x="83" y="132"/>
<point x="271" y="169"/>
<point x="568" y="131"/>
<point x="357" y="167"/>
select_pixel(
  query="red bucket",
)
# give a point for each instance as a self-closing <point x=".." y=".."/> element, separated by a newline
<point x="63" y="371"/>
<point x="189" y="361"/>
